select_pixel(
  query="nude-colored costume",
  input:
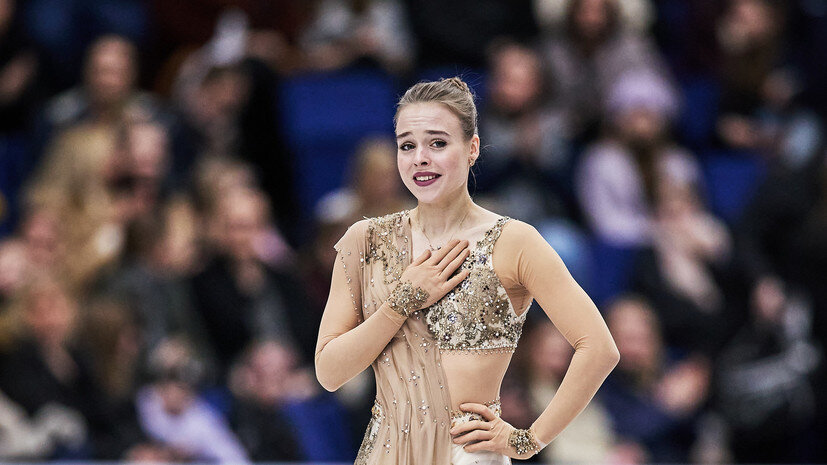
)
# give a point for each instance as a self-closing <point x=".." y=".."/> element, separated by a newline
<point x="481" y="318"/>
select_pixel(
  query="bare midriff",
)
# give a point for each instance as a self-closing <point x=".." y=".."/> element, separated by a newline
<point x="474" y="377"/>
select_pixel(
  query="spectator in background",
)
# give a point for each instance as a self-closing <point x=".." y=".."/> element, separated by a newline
<point x="591" y="52"/>
<point x="687" y="273"/>
<point x="653" y="400"/>
<point x="618" y="175"/>
<point x="760" y="110"/>
<point x="373" y="32"/>
<point x="278" y="399"/>
<point x="238" y="294"/>
<point x="114" y="346"/>
<point x="373" y="188"/>
<point x="63" y="30"/>
<point x="109" y="87"/>
<point x="19" y="72"/>
<point x="228" y="96"/>
<point x="764" y="387"/>
<point x="636" y="15"/>
<point x="589" y="438"/>
<point x="172" y="414"/>
<point x="76" y="182"/>
<point x="50" y="370"/>
<point x="526" y="168"/>
<point x="162" y="255"/>
<point x="13" y="270"/>
<point x="529" y="154"/>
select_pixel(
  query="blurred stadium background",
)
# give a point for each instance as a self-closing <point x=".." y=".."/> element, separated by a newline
<point x="173" y="175"/>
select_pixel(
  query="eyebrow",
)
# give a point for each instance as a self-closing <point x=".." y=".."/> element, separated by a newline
<point x="429" y="131"/>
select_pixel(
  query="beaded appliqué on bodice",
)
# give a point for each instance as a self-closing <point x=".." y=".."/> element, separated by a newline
<point x="477" y="315"/>
<point x="382" y="234"/>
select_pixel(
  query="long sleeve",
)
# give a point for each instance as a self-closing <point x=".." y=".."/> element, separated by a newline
<point x="526" y="263"/>
<point x="347" y="344"/>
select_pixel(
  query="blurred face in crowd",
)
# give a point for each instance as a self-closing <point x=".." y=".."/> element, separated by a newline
<point x="376" y="179"/>
<point x="750" y="22"/>
<point x="50" y="314"/>
<point x="221" y="96"/>
<point x="41" y="235"/>
<point x="641" y="127"/>
<point x="270" y="366"/>
<point x="6" y="14"/>
<point x="433" y="154"/>
<point x="176" y="396"/>
<point x="178" y="250"/>
<point x="12" y="266"/>
<point x="634" y="328"/>
<point x="244" y="218"/>
<point x="147" y="150"/>
<point x="516" y="79"/>
<point x="110" y="71"/>
<point x="551" y="353"/>
<point x="592" y="18"/>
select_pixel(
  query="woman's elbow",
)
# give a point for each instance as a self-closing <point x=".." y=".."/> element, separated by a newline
<point x="328" y="382"/>
<point x="324" y="377"/>
<point x="611" y="356"/>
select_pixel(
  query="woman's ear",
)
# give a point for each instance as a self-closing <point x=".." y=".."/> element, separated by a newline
<point x="475" y="149"/>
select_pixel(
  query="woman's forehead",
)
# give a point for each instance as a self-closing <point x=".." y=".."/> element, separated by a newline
<point x="426" y="116"/>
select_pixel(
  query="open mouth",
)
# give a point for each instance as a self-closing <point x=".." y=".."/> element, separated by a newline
<point x="425" y="179"/>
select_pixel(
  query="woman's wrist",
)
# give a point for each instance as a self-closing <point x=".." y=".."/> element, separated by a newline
<point x="406" y="298"/>
<point x="525" y="441"/>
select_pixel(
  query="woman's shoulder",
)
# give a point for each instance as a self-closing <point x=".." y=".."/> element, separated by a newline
<point x="516" y="231"/>
<point x="362" y="229"/>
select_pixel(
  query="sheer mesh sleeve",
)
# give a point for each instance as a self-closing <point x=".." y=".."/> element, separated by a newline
<point x="350" y="265"/>
<point x="525" y="262"/>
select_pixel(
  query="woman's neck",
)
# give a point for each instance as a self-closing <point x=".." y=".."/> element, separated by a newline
<point x="440" y="220"/>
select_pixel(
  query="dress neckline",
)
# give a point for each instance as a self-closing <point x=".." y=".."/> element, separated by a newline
<point x="501" y="220"/>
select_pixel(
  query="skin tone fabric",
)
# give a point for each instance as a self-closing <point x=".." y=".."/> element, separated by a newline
<point x="415" y="382"/>
<point x="446" y="361"/>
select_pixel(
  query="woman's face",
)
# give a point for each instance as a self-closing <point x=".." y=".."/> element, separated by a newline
<point x="433" y="155"/>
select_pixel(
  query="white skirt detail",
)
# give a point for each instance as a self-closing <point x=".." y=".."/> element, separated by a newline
<point x="460" y="457"/>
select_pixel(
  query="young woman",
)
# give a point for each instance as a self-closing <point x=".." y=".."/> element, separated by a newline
<point x="434" y="298"/>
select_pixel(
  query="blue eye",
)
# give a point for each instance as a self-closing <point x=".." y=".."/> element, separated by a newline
<point x="406" y="146"/>
<point x="439" y="143"/>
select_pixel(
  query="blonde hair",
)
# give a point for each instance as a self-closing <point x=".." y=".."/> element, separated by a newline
<point x="452" y="92"/>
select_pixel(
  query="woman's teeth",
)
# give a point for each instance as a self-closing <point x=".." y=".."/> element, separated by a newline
<point x="425" y="178"/>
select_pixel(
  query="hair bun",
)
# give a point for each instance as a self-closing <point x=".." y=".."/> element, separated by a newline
<point x="457" y="82"/>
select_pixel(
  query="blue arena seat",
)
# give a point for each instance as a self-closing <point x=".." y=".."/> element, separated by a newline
<point x="731" y="179"/>
<point x="699" y="115"/>
<point x="325" y="116"/>
<point x="612" y="269"/>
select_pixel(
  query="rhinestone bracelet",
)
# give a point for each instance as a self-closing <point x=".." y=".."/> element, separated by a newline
<point x="406" y="299"/>
<point x="523" y="441"/>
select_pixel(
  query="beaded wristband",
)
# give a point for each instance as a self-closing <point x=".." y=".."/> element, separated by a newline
<point x="523" y="441"/>
<point x="406" y="299"/>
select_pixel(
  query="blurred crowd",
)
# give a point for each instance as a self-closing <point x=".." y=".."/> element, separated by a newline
<point x="166" y="224"/>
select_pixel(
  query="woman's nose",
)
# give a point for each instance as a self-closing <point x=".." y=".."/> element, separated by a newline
<point x="421" y="157"/>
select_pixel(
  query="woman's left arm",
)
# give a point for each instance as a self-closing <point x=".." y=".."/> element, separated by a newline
<point x="541" y="271"/>
<point x="523" y="257"/>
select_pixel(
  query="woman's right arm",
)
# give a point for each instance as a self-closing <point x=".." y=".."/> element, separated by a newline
<point x="345" y="347"/>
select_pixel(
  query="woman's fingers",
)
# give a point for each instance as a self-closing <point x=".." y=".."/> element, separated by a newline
<point x="422" y="257"/>
<point x="480" y="446"/>
<point x="483" y="410"/>
<point x="438" y="255"/>
<point x="463" y="428"/>
<point x="452" y="254"/>
<point x="454" y="282"/>
<point x="476" y="435"/>
<point x="455" y="263"/>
